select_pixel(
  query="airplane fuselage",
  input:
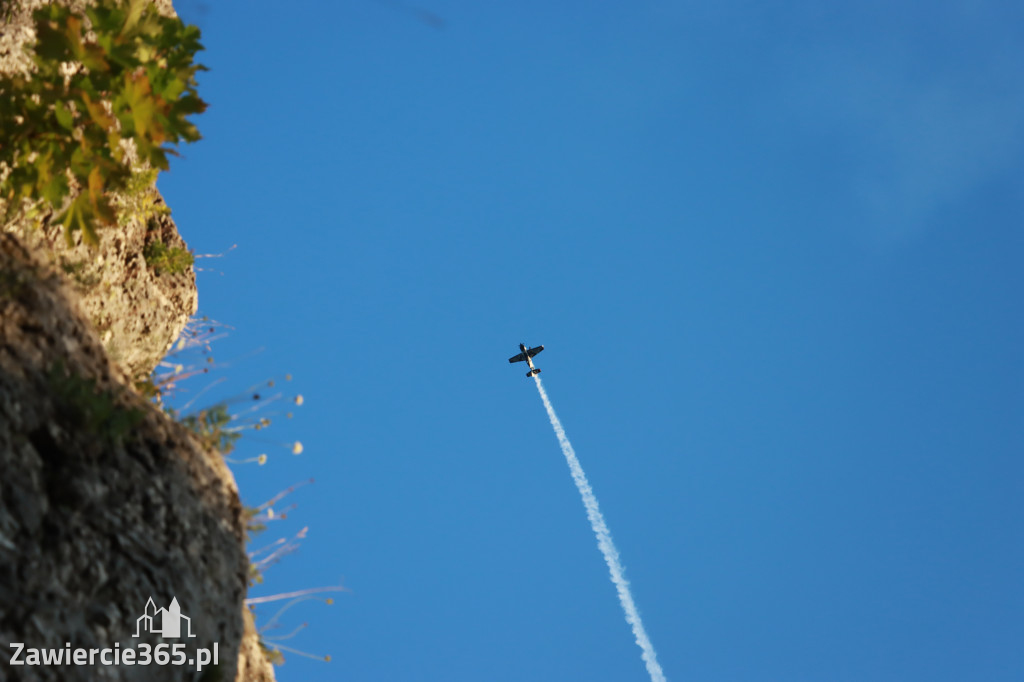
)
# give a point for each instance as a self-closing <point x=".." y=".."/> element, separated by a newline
<point x="529" y="360"/>
<point x="525" y="355"/>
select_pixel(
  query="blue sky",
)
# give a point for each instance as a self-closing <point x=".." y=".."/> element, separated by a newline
<point x="774" y="254"/>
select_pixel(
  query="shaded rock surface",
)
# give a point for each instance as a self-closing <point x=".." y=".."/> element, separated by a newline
<point x="104" y="501"/>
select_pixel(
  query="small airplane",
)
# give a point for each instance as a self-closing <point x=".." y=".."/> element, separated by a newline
<point x="527" y="355"/>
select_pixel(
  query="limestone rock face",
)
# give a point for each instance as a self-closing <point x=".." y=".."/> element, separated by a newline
<point x="252" y="664"/>
<point x="138" y="309"/>
<point x="104" y="501"/>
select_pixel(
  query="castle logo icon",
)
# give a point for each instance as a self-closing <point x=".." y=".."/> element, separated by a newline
<point x="166" y="622"/>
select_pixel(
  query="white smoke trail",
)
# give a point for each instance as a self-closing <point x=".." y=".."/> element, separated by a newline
<point x="604" y="542"/>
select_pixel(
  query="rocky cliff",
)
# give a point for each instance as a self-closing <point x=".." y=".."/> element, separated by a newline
<point x="105" y="501"/>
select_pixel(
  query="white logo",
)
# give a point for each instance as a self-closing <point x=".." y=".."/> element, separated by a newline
<point x="166" y="622"/>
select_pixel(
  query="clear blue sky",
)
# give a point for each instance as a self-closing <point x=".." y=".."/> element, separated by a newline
<point x="775" y="255"/>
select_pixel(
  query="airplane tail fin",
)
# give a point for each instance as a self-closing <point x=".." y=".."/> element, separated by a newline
<point x="533" y="372"/>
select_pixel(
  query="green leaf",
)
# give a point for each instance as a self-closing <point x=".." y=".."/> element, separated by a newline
<point x="56" y="189"/>
<point x="139" y="99"/>
<point x="158" y="158"/>
<point x="73" y="219"/>
<point x="93" y="57"/>
<point x="64" y="117"/>
<point x="135" y="9"/>
<point x="51" y="43"/>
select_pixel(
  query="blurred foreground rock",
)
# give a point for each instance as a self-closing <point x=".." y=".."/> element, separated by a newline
<point x="104" y="501"/>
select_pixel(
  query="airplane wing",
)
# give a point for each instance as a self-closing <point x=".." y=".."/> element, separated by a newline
<point x="534" y="351"/>
<point x="518" y="358"/>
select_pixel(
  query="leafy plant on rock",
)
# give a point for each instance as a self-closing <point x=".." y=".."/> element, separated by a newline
<point x="108" y="78"/>
<point x="170" y="259"/>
